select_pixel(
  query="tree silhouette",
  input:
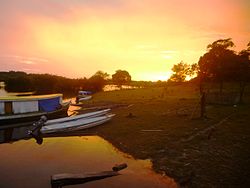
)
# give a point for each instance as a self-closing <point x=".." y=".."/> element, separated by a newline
<point x="219" y="62"/>
<point x="243" y="75"/>
<point x="182" y="71"/>
<point x="97" y="81"/>
<point x="121" y="77"/>
<point x="21" y="81"/>
<point x="102" y="74"/>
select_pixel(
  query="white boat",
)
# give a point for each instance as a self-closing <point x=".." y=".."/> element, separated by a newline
<point x="82" y="93"/>
<point x="84" y="98"/>
<point x="76" y="124"/>
<point x="16" y="109"/>
<point x="76" y="117"/>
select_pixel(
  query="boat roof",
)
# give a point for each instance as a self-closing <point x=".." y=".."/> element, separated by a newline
<point x="29" y="98"/>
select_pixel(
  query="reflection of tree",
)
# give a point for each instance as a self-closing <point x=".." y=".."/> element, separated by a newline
<point x="121" y="77"/>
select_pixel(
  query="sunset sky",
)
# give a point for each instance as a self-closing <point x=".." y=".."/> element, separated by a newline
<point x="76" y="38"/>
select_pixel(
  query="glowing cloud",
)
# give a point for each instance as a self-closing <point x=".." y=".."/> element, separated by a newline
<point x="76" y="38"/>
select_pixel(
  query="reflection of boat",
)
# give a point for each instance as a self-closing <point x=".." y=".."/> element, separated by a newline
<point x="77" y="124"/>
<point x="15" y="109"/>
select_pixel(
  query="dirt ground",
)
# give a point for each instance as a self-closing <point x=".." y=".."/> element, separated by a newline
<point x="163" y="125"/>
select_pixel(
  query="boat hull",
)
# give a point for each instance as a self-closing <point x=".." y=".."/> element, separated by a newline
<point x="76" y="125"/>
<point x="28" y="118"/>
<point x="81" y="116"/>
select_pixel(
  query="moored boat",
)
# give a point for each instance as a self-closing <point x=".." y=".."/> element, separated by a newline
<point x="83" y="93"/>
<point x="16" y="109"/>
<point x="75" y="125"/>
<point x="76" y="117"/>
<point x="84" y="98"/>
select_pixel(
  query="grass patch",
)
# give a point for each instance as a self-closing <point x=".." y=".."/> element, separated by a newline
<point x="163" y="125"/>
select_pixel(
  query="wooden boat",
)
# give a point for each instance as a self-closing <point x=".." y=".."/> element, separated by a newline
<point x="14" y="109"/>
<point x="85" y="98"/>
<point x="81" y="116"/>
<point x="77" y="124"/>
<point x="83" y="93"/>
<point x="64" y="179"/>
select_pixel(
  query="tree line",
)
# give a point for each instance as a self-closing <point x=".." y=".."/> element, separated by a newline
<point x="219" y="64"/>
<point x="17" y="81"/>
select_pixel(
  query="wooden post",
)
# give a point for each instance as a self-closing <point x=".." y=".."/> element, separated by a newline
<point x="203" y="105"/>
<point x="119" y="167"/>
<point x="60" y="180"/>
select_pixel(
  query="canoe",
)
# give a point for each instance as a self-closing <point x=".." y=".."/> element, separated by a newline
<point x="81" y="116"/>
<point x="83" y="93"/>
<point x="74" y="125"/>
<point x="85" y="98"/>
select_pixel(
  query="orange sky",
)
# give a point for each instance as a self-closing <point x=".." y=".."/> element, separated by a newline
<point x="76" y="38"/>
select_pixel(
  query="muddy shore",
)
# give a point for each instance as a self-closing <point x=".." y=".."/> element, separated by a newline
<point x="164" y="126"/>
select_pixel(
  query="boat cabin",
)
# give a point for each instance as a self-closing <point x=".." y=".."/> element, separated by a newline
<point x="26" y="104"/>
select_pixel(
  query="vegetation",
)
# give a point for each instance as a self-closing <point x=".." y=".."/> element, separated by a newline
<point x="196" y="152"/>
<point x="182" y="71"/>
<point x="121" y="77"/>
<point x="46" y="83"/>
<point x="219" y="65"/>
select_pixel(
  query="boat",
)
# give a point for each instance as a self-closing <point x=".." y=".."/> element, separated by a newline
<point x="75" y="125"/>
<point x="84" y="98"/>
<point x="76" y="117"/>
<point x="81" y="93"/>
<point x="17" y="109"/>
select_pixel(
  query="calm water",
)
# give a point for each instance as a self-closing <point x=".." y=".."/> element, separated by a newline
<point x="25" y="164"/>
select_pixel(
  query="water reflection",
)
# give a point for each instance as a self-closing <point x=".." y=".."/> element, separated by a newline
<point x="27" y="164"/>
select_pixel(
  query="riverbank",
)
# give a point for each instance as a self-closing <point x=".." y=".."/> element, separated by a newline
<point x="162" y="124"/>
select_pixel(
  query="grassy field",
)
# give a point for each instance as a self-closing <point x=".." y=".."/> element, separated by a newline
<point x="163" y="124"/>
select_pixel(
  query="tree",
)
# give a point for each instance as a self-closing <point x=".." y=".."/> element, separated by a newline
<point x="121" y="77"/>
<point x="182" y="71"/>
<point x="222" y="64"/>
<point x="102" y="74"/>
<point x="243" y="75"/>
<point x="97" y="81"/>
<point x="219" y="62"/>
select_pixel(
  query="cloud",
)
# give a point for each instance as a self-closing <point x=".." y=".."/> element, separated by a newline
<point x="28" y="62"/>
<point x="23" y="59"/>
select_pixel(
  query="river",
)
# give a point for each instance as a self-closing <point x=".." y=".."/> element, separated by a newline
<point x="25" y="164"/>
